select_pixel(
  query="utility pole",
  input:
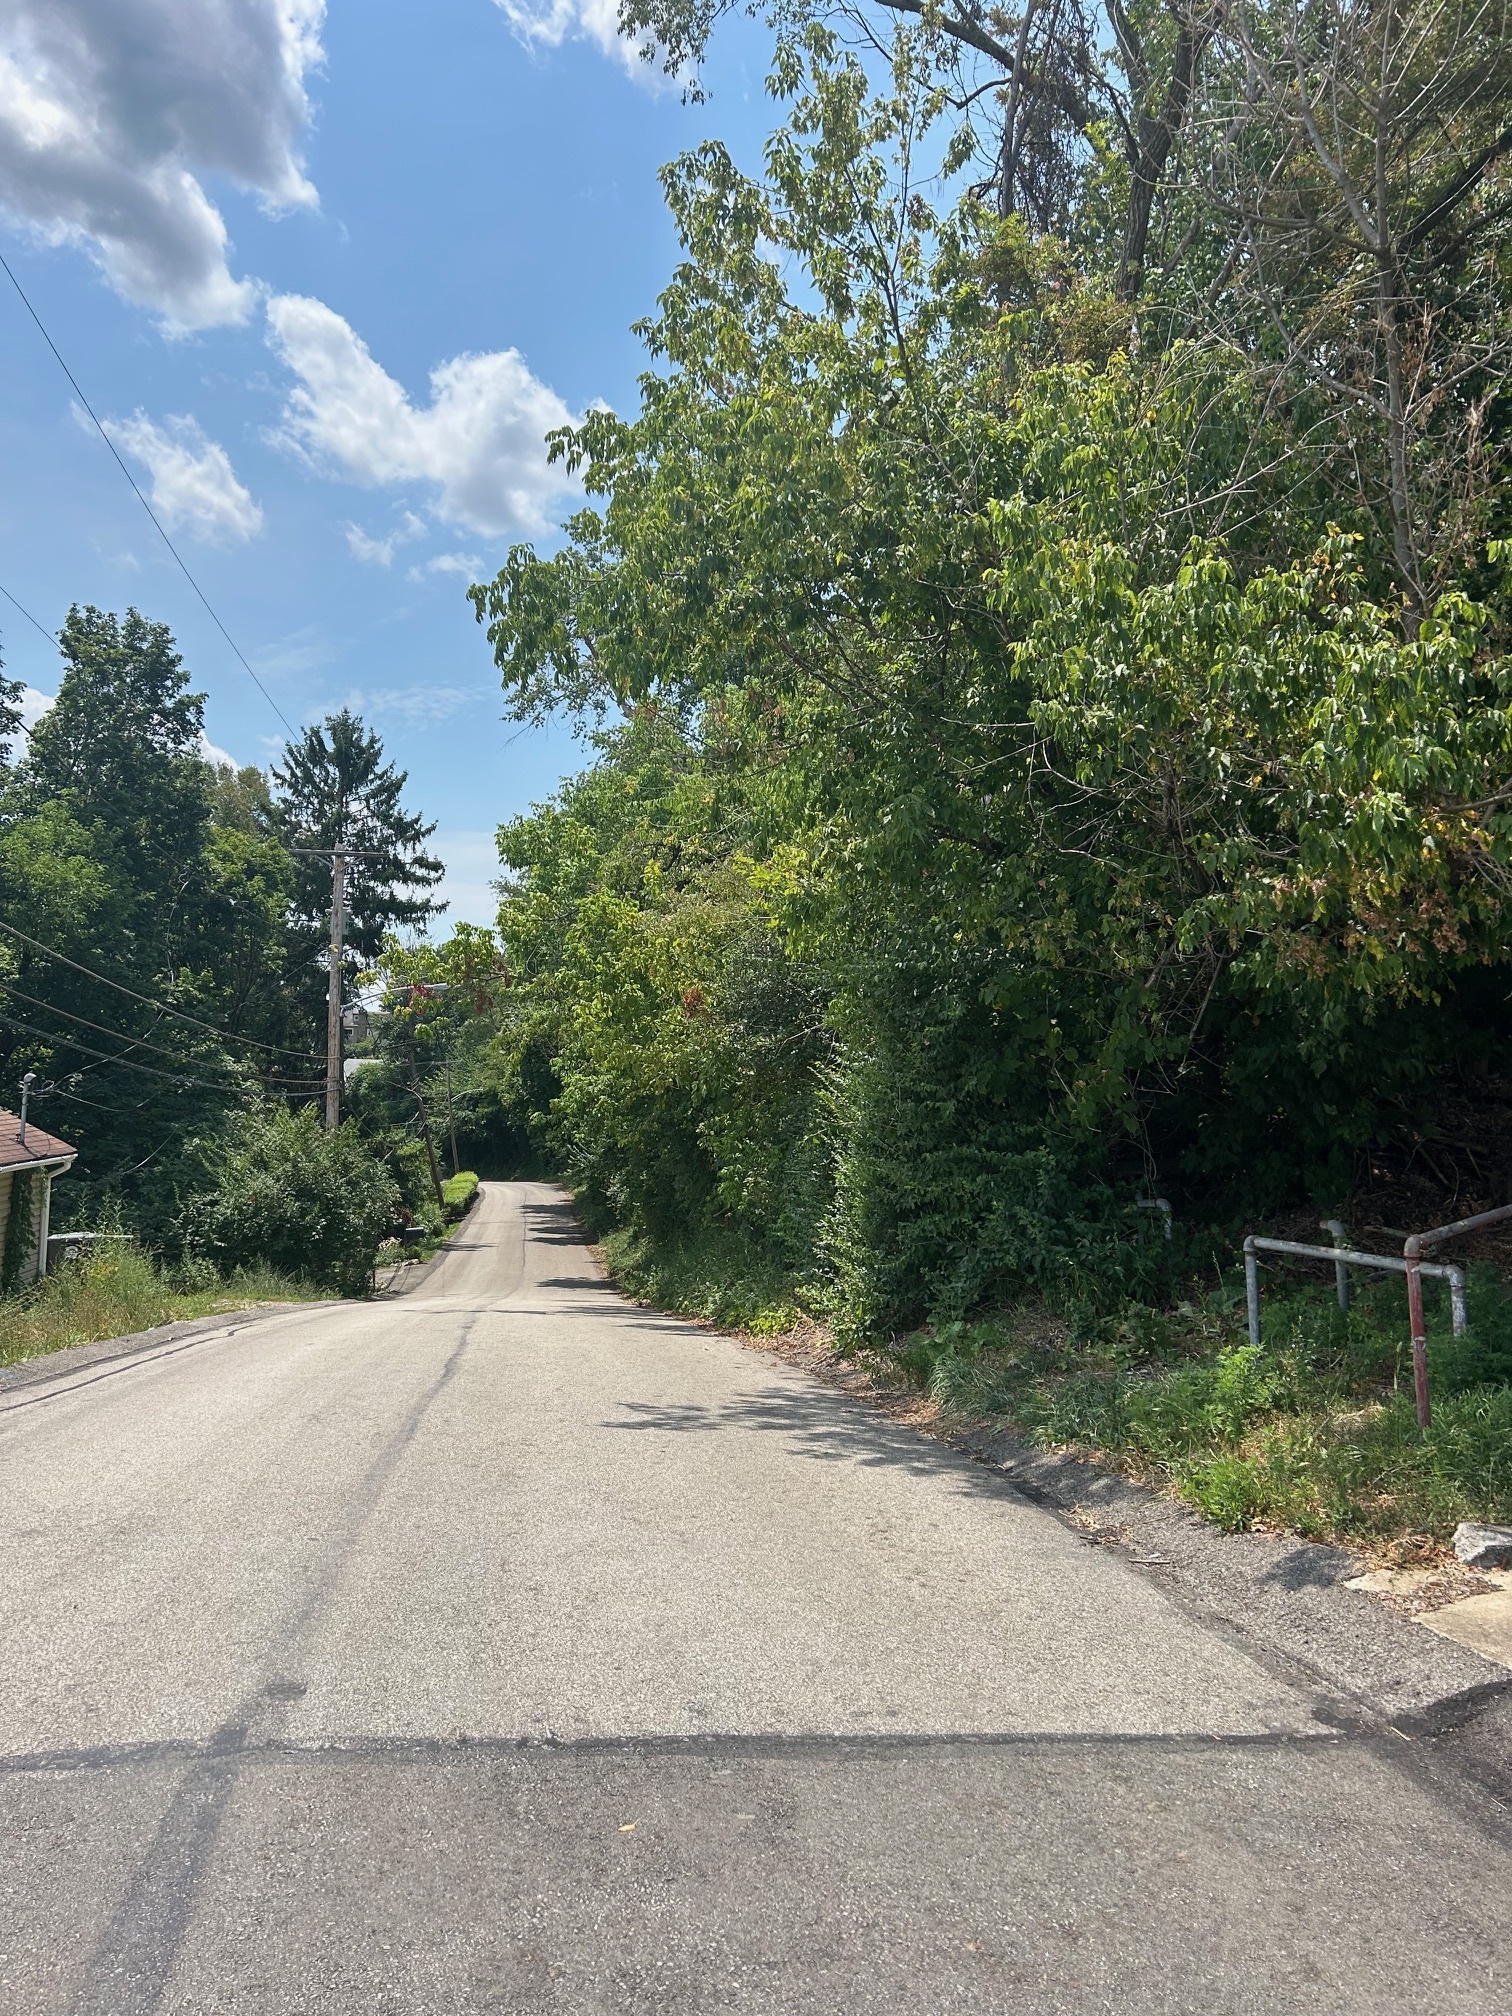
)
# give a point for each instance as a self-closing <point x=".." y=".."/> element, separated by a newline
<point x="338" y="858"/>
<point x="451" y="1118"/>
<point x="333" y="994"/>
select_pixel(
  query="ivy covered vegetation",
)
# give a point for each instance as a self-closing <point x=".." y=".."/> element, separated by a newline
<point x="1049" y="643"/>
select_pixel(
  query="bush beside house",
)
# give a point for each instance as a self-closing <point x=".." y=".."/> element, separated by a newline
<point x="287" y="1195"/>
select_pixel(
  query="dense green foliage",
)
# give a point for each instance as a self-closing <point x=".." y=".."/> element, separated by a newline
<point x="288" y="1195"/>
<point x="1030" y="773"/>
<point x="161" y="949"/>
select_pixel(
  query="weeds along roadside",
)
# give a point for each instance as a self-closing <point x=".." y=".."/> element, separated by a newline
<point x="1313" y="1432"/>
<point x="119" y="1291"/>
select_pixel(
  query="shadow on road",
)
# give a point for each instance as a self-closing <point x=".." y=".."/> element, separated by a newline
<point x="822" y="1428"/>
<point x="553" y="1224"/>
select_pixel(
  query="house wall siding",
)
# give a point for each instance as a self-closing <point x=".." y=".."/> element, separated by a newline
<point x="40" y="1190"/>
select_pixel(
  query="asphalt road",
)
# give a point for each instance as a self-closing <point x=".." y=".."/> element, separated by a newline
<point x="506" y="1647"/>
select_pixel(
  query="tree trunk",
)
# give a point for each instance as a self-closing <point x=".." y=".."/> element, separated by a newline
<point x="1155" y="134"/>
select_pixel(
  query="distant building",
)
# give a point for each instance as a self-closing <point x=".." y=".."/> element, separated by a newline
<point x="27" y="1169"/>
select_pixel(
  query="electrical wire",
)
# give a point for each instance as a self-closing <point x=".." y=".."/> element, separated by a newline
<point x="88" y="1049"/>
<point x="28" y="615"/>
<point x="236" y="648"/>
<point x="63" y="1092"/>
<point x="121" y="1035"/>
<point x="114" y="1175"/>
<point x="147" y="1000"/>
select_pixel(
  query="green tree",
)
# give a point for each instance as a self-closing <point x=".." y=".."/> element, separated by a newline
<point x="284" y="1193"/>
<point x="1127" y="831"/>
<point x="11" y="691"/>
<point x="148" y="970"/>
<point x="119" y="748"/>
<point x="333" y="788"/>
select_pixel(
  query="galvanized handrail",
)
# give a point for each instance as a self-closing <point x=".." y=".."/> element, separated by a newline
<point x="1160" y="1204"/>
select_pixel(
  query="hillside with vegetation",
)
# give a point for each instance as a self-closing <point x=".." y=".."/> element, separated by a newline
<point x="1049" y="640"/>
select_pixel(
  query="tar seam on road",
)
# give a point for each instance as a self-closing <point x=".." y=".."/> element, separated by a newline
<point x="772" y="1746"/>
<point x="128" y="1971"/>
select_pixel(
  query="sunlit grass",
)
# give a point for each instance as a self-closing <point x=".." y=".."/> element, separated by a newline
<point x="118" y="1291"/>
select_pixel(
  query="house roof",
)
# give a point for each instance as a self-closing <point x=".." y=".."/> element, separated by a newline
<point x="37" y="1147"/>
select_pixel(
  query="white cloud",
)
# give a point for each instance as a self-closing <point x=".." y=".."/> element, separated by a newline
<point x="468" y="565"/>
<point x="212" y="753"/>
<point x="480" y="442"/>
<point x="194" y="487"/>
<point x="379" y="552"/>
<point x="301" y="651"/>
<point x="413" y="703"/>
<point x="111" y="111"/>
<point x="549" y="25"/>
<point x="33" y="705"/>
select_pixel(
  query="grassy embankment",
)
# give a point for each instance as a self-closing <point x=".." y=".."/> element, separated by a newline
<point x="1314" y="1433"/>
<point x="119" y="1291"/>
<point x="714" y="1276"/>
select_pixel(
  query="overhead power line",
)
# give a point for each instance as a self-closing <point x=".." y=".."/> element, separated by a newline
<point x="48" y="634"/>
<point x="130" y="1064"/>
<point x="148" y="1001"/>
<point x="121" y="1035"/>
<point x="88" y="1049"/>
<point x="162" y="534"/>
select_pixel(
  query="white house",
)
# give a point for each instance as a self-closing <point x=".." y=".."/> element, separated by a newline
<point x="27" y="1169"/>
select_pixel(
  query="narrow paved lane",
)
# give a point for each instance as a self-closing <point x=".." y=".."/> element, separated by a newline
<point x="506" y="1647"/>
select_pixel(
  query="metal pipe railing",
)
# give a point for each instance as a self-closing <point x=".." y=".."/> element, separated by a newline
<point x="1340" y="1233"/>
<point x="1342" y="1256"/>
<point x="1415" y="1270"/>
<point x="1160" y="1204"/>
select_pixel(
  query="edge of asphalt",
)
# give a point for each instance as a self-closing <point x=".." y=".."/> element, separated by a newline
<point x="72" y="1358"/>
<point x="408" y="1275"/>
<point x="1281" y="1594"/>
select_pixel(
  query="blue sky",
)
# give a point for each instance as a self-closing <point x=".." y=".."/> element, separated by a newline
<point x="327" y="272"/>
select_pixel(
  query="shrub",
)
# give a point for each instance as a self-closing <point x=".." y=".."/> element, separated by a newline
<point x="459" y="1193"/>
<point x="288" y="1195"/>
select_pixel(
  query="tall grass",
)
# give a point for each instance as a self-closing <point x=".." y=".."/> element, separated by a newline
<point x="118" y="1291"/>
